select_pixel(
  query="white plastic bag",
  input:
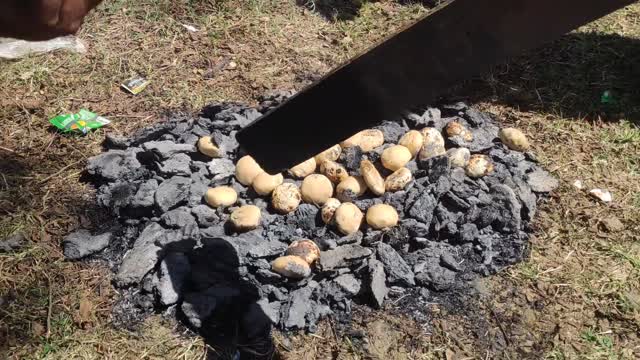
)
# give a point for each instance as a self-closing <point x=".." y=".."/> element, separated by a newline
<point x="15" y="49"/>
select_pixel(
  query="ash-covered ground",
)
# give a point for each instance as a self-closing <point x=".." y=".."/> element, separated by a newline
<point x="173" y="253"/>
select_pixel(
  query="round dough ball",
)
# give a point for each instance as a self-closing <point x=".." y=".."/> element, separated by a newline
<point x="207" y="146"/>
<point x="331" y="154"/>
<point x="304" y="169"/>
<point x="316" y="189"/>
<point x="307" y="250"/>
<point x="221" y="196"/>
<point x="514" y="139"/>
<point x="264" y="184"/>
<point x="479" y="166"/>
<point x="286" y="198"/>
<point x="372" y="177"/>
<point x="412" y="140"/>
<point x="350" y="188"/>
<point x="247" y="169"/>
<point x="398" y="180"/>
<point x="459" y="157"/>
<point x="395" y="157"/>
<point x="348" y="218"/>
<point x="291" y="266"/>
<point x="382" y="216"/>
<point x="455" y="128"/>
<point x="367" y="140"/>
<point x="329" y="210"/>
<point x="246" y="218"/>
<point x="334" y="171"/>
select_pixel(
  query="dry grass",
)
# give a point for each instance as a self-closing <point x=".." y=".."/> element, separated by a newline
<point x="577" y="297"/>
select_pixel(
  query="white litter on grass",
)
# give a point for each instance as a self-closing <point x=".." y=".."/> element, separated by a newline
<point x="15" y="49"/>
<point x="578" y="184"/>
<point x="190" y="28"/>
<point x="602" y="195"/>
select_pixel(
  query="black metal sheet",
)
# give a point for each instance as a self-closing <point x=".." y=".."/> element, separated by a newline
<point x="454" y="43"/>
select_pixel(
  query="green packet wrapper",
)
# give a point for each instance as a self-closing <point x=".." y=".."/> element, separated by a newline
<point x="82" y="122"/>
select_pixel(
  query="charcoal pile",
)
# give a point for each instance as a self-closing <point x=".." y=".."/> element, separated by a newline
<point x="429" y="202"/>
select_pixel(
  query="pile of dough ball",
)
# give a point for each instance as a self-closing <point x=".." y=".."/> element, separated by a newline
<point x="327" y="184"/>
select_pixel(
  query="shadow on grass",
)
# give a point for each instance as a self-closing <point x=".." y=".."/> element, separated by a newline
<point x="343" y="10"/>
<point x="581" y="75"/>
<point x="13" y="171"/>
<point x="220" y="305"/>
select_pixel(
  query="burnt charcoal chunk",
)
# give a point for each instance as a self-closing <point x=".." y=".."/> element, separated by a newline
<point x="152" y="133"/>
<point x="436" y="167"/>
<point x="397" y="270"/>
<point x="398" y="237"/>
<point x="167" y="148"/>
<point x="226" y="143"/>
<point x="297" y="308"/>
<point x="305" y="217"/>
<point x="221" y="169"/>
<point x="365" y="204"/>
<point x="115" y="165"/>
<point x="145" y="195"/>
<point x="343" y="256"/>
<point x="429" y="118"/>
<point x="114" y="141"/>
<point x="468" y="233"/>
<point x="269" y="309"/>
<point x="205" y="215"/>
<point x="447" y="260"/>
<point x="237" y="249"/>
<point x="117" y="195"/>
<point x="437" y="278"/>
<point x="392" y="131"/>
<point x="142" y="257"/>
<point x="177" y="164"/>
<point x="527" y="197"/>
<point x="349" y="284"/>
<point x="354" y="238"/>
<point x="173" y="272"/>
<point x="273" y="99"/>
<point x="172" y="193"/>
<point x="476" y="118"/>
<point x="416" y="228"/>
<point x="423" y="207"/>
<point x="377" y="283"/>
<point x="507" y="157"/>
<point x="351" y="158"/>
<point x="267" y="276"/>
<point x="454" y="109"/>
<point x="507" y="209"/>
<point x="179" y="218"/>
<point x="81" y="243"/>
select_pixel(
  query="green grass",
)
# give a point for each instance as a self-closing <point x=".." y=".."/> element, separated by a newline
<point x="602" y="346"/>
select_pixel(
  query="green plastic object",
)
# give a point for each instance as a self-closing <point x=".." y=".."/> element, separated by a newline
<point x="82" y="122"/>
<point x="607" y="97"/>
